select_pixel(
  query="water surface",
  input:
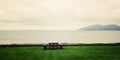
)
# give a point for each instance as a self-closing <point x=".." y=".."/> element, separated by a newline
<point x="38" y="36"/>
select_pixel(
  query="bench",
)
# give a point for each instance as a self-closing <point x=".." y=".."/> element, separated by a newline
<point x="53" y="46"/>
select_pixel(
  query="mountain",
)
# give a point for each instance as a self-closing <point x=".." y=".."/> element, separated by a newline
<point x="102" y="27"/>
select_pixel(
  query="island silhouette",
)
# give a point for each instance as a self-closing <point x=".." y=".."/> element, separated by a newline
<point x="102" y="27"/>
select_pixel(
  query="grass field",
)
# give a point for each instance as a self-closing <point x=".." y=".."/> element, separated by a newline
<point x="68" y="53"/>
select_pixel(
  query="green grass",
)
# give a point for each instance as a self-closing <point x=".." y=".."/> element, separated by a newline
<point x="68" y="53"/>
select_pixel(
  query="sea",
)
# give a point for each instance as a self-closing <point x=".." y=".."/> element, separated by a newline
<point x="60" y="36"/>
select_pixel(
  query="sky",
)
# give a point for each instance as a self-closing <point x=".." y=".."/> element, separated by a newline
<point x="57" y="14"/>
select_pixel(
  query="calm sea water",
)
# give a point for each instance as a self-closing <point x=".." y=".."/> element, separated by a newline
<point x="36" y="36"/>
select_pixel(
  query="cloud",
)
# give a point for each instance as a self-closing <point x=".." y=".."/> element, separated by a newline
<point x="77" y="13"/>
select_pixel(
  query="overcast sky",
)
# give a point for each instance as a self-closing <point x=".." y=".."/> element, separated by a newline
<point x="57" y="14"/>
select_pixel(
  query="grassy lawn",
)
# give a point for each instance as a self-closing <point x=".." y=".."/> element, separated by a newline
<point x="68" y="53"/>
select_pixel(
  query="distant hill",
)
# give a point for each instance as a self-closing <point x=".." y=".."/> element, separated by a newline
<point x="101" y="27"/>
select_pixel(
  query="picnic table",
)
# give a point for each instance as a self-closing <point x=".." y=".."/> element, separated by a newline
<point x="53" y="46"/>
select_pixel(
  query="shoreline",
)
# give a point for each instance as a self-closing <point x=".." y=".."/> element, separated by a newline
<point x="64" y="44"/>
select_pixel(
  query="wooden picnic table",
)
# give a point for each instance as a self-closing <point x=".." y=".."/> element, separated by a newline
<point x="53" y="46"/>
